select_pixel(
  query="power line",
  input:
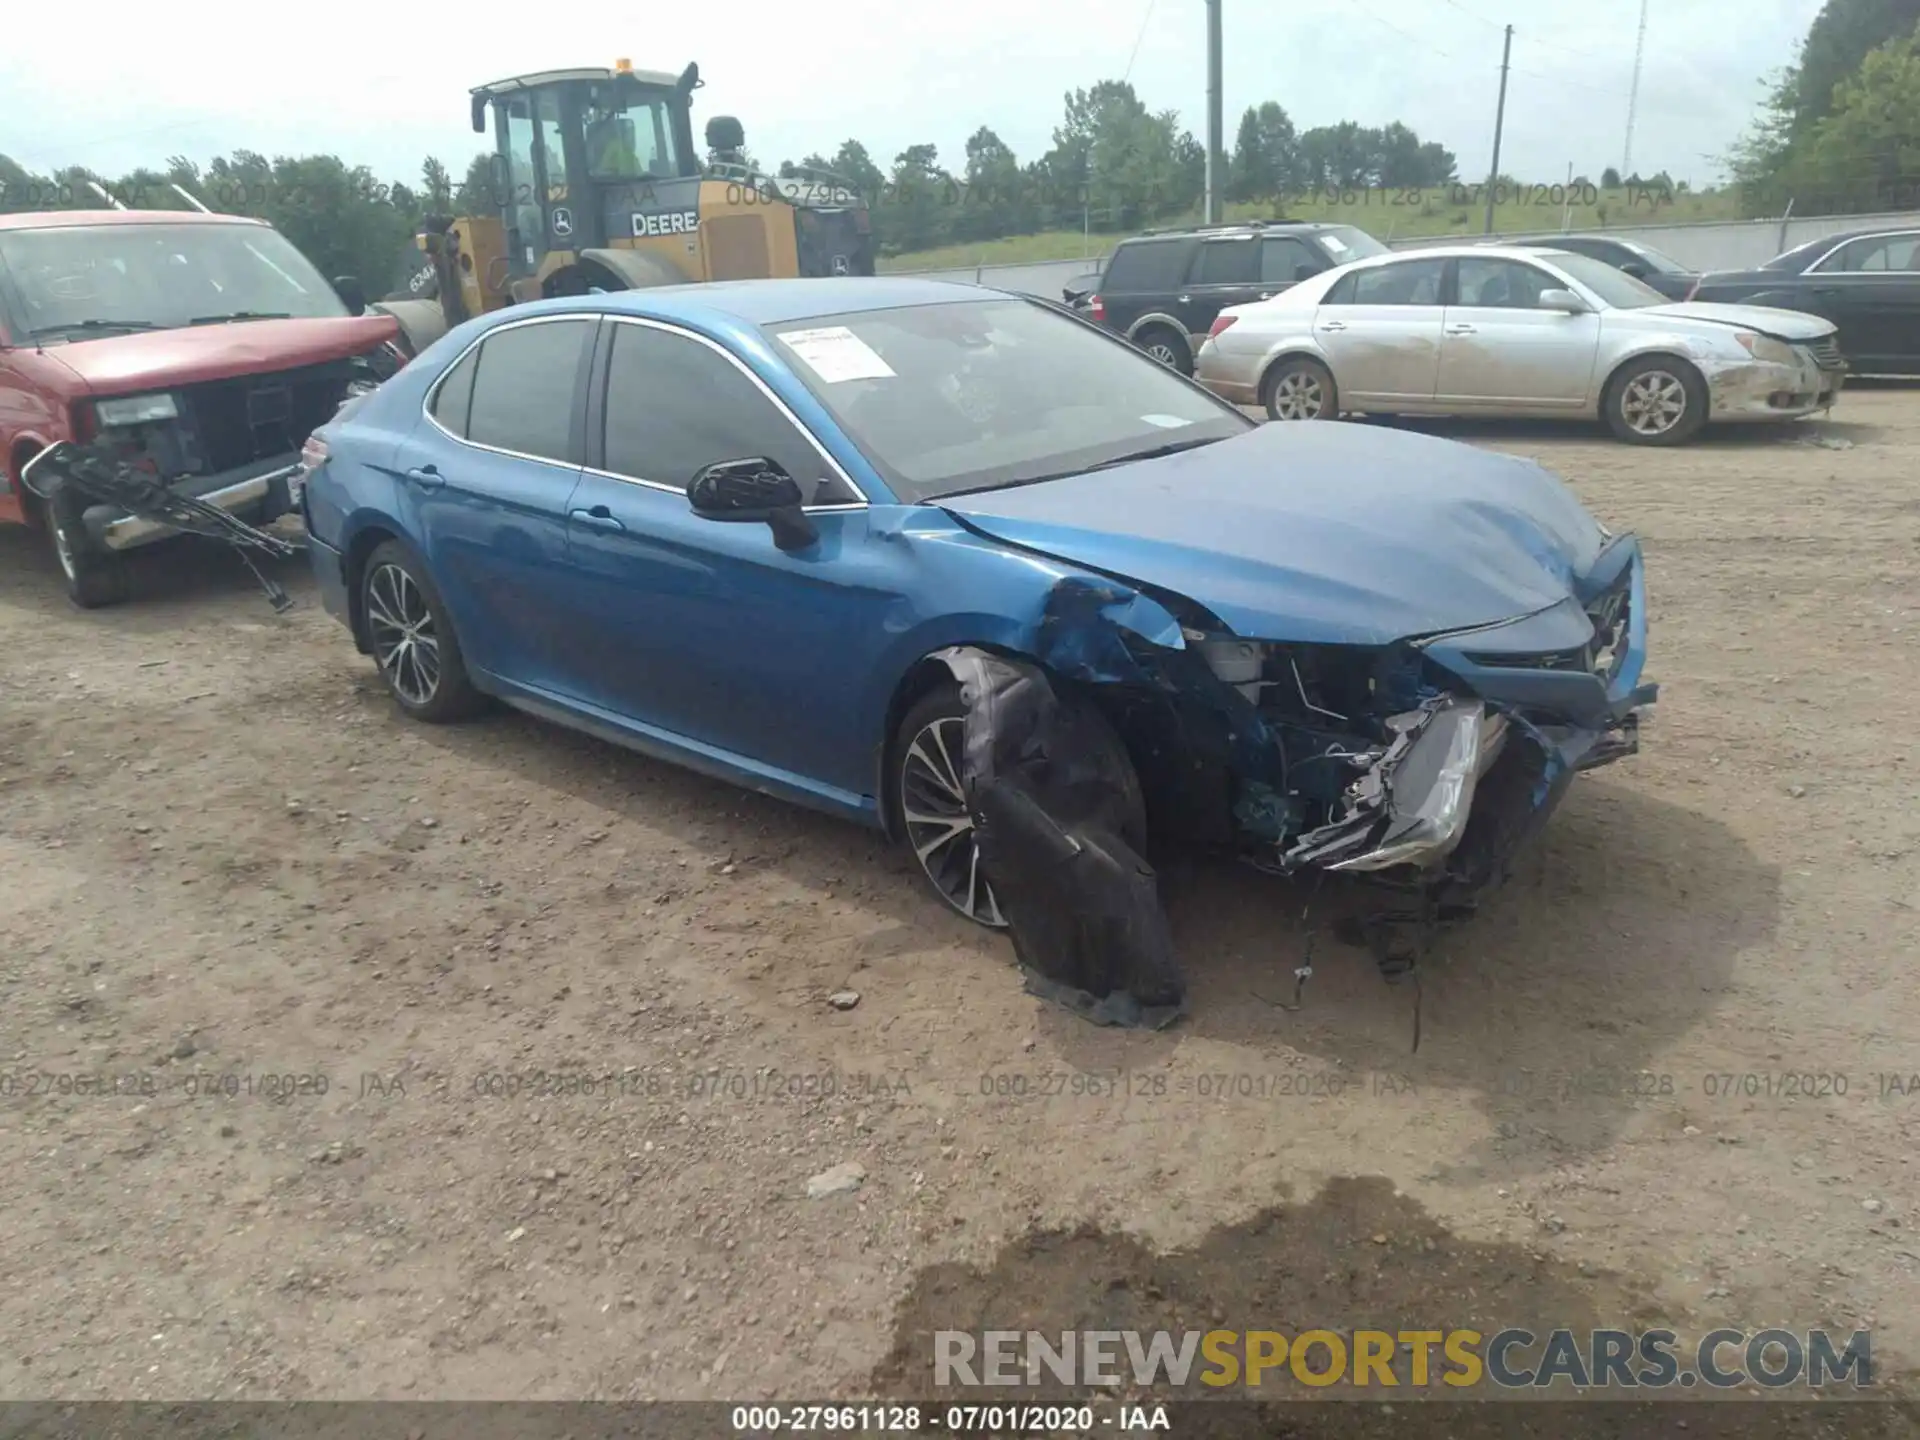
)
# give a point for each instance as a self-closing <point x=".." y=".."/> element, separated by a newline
<point x="1144" y="19"/>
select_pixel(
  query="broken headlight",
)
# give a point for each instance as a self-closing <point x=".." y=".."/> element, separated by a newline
<point x="1429" y="794"/>
<point x="135" y="410"/>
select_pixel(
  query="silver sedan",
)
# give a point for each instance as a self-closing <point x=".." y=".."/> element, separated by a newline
<point x="1496" y="330"/>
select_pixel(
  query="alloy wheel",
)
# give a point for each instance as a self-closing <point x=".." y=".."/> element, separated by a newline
<point x="63" y="552"/>
<point x="401" y="628"/>
<point x="1297" y="396"/>
<point x="939" y="826"/>
<point x="1163" y="351"/>
<point x="1653" y="402"/>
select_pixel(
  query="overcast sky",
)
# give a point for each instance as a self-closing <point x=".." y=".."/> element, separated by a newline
<point x="386" y="85"/>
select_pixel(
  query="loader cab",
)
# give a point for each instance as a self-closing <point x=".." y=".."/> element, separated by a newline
<point x="579" y="153"/>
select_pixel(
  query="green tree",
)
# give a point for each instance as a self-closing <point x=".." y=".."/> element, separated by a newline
<point x="1838" y="42"/>
<point x="436" y="186"/>
<point x="1609" y="179"/>
<point x="1867" y="151"/>
<point x="1266" y="159"/>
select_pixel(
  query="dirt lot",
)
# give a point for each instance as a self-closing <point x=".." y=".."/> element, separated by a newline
<point x="229" y="871"/>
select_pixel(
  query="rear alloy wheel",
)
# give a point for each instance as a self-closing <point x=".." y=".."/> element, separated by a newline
<point x="930" y="803"/>
<point x="411" y="639"/>
<point x="1160" y="343"/>
<point x="1657" y="401"/>
<point x="1301" y="389"/>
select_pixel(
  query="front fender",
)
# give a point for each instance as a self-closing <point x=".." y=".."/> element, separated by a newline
<point x="1157" y="318"/>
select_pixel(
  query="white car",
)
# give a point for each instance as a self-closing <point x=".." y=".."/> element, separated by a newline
<point x="1500" y="330"/>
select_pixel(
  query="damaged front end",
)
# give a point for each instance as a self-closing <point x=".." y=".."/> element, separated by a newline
<point x="1423" y="765"/>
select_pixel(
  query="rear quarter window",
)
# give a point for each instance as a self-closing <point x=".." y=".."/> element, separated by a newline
<point x="455" y="393"/>
<point x="1142" y="265"/>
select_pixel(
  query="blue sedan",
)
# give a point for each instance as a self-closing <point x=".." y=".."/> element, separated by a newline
<point x="767" y="529"/>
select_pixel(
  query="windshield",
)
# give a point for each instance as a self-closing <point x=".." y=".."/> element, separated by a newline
<point x="1665" y="264"/>
<point x="1344" y="243"/>
<point x="987" y="393"/>
<point x="1617" y="289"/>
<point x="79" y="278"/>
<point x="629" y="135"/>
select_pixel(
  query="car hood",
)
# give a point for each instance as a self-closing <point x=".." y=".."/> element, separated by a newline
<point x="1316" y="532"/>
<point x="161" y="359"/>
<point x="1781" y="324"/>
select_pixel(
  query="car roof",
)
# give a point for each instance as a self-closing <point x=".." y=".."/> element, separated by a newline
<point x="1236" y="228"/>
<point x="1510" y="251"/>
<point x="772" y="302"/>
<point x="57" y="219"/>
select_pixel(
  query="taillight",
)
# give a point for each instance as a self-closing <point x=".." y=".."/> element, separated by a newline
<point x="1221" y="325"/>
<point x="313" y="455"/>
<point x="1096" y="307"/>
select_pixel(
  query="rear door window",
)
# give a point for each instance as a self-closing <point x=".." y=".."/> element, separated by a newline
<point x="524" y="389"/>
<point x="1227" y="262"/>
<point x="1147" y="265"/>
<point x="1404" y="282"/>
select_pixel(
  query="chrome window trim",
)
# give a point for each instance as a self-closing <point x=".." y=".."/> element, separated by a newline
<point x="1861" y="240"/>
<point x="780" y="405"/>
<point x="433" y="390"/>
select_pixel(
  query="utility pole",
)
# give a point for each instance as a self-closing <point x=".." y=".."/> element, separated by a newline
<point x="1633" y="92"/>
<point x="1216" y="158"/>
<point x="1499" y="121"/>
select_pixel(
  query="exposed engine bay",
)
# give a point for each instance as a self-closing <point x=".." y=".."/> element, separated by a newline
<point x="1373" y="762"/>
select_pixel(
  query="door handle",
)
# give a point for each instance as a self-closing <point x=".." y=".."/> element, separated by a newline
<point x="1267" y="294"/>
<point x="1461" y="330"/>
<point x="426" y="477"/>
<point x="1186" y="299"/>
<point x="1327" y="325"/>
<point x="599" y="517"/>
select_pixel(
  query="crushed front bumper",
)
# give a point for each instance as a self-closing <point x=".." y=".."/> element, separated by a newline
<point x="257" y="492"/>
<point x="1771" y="390"/>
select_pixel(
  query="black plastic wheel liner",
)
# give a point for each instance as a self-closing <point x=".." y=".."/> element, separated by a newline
<point x="1053" y="796"/>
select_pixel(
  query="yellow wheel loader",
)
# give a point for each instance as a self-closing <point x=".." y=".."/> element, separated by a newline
<point x="597" y="186"/>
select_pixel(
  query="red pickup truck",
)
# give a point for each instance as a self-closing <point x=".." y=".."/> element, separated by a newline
<point x="201" y="348"/>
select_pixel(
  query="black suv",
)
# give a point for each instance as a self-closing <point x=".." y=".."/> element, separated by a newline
<point x="1162" y="290"/>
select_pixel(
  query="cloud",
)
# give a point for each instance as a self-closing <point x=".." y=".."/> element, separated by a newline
<point x="387" y="85"/>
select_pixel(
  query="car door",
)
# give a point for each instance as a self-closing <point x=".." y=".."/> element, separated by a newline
<point x="705" y="629"/>
<point x="488" y="473"/>
<point x="1870" y="288"/>
<point x="1379" y="328"/>
<point x="1224" y="272"/>
<point x="1502" y="350"/>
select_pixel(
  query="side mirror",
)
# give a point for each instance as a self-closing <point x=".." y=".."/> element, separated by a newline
<point x="352" y="294"/>
<point x="1635" y="269"/>
<point x="1565" y="300"/>
<point x="754" y="489"/>
<point x="1306" y="270"/>
<point x="479" y="115"/>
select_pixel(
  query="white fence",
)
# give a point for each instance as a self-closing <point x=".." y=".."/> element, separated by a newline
<point x="1714" y="245"/>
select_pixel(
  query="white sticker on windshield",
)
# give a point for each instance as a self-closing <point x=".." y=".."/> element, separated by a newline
<point x="1166" y="422"/>
<point x="1333" y="243"/>
<point x="835" y="353"/>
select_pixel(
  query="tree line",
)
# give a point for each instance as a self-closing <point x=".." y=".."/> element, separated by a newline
<point x="1114" y="166"/>
<point x="1839" y="131"/>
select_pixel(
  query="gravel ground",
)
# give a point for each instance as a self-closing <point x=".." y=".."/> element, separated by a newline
<point x="494" y="1062"/>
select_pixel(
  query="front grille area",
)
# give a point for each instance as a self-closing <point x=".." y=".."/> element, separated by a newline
<point x="255" y="417"/>
<point x="1826" y="353"/>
